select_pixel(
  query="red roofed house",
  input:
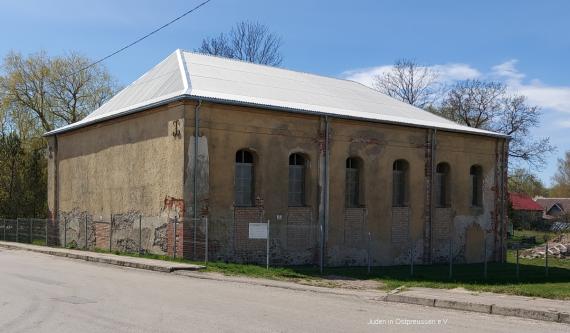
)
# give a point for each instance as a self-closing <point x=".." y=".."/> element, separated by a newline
<point x="525" y="211"/>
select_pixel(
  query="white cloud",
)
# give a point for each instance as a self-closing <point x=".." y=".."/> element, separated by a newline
<point x="548" y="97"/>
<point x="556" y="98"/>
<point x="446" y="73"/>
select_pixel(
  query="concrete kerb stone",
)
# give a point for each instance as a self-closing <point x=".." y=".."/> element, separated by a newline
<point x="552" y="316"/>
<point x="465" y="306"/>
<point x="139" y="263"/>
<point x="399" y="298"/>
<point x="526" y="313"/>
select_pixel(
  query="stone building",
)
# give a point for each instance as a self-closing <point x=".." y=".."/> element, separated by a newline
<point x="339" y="170"/>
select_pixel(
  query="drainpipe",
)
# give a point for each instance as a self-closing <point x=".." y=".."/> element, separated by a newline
<point x="195" y="173"/>
<point x="324" y="157"/>
<point x="55" y="214"/>
<point x="432" y="191"/>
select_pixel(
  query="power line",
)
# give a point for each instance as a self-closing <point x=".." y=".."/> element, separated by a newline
<point x="142" y="38"/>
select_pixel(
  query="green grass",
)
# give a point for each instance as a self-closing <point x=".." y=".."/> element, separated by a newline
<point x="501" y="278"/>
<point x="519" y="235"/>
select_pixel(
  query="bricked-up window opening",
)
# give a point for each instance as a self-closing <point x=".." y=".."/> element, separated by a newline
<point x="442" y="185"/>
<point x="400" y="184"/>
<point x="296" y="180"/>
<point x="244" y="179"/>
<point x="352" y="182"/>
<point x="476" y="174"/>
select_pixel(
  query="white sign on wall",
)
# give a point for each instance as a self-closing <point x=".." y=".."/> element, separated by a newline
<point x="258" y="231"/>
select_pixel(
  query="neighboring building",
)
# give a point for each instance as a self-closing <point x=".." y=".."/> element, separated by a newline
<point x="554" y="208"/>
<point x="320" y="158"/>
<point x="525" y="211"/>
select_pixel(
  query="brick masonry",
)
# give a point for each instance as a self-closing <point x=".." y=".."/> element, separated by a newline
<point x="245" y="249"/>
<point x="400" y="225"/>
<point x="354" y="226"/>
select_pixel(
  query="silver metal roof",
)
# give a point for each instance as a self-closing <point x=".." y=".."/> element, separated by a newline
<point x="196" y="76"/>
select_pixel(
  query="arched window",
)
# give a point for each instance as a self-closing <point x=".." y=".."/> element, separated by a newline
<point x="476" y="174"/>
<point x="442" y="185"/>
<point x="400" y="183"/>
<point x="244" y="179"/>
<point x="297" y="166"/>
<point x="352" y="182"/>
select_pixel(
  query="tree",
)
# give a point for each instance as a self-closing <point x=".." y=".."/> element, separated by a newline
<point x="523" y="181"/>
<point x="52" y="91"/>
<point x="248" y="41"/>
<point x="409" y="82"/>
<point x="487" y="105"/>
<point x="37" y="94"/>
<point x="561" y="179"/>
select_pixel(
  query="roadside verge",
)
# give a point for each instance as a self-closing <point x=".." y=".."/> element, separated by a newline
<point x="105" y="258"/>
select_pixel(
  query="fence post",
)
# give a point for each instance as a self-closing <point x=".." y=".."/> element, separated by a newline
<point x="17" y="230"/>
<point x="267" y="254"/>
<point x="31" y="230"/>
<point x="86" y="235"/>
<point x="65" y="232"/>
<point x="450" y="258"/>
<point x="369" y="256"/>
<point x="518" y="269"/>
<point x="111" y="233"/>
<point x="485" y="257"/>
<point x="4" y="229"/>
<point x="46" y="231"/>
<point x="411" y="258"/>
<point x="321" y="249"/>
<point x="174" y="249"/>
<point x="140" y="234"/>
<point x="546" y="259"/>
<point x="194" y="236"/>
<point x="206" y="241"/>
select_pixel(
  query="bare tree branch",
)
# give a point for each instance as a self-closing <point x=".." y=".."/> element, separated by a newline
<point x="248" y="41"/>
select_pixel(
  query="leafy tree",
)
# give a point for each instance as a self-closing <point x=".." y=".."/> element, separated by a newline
<point x="50" y="92"/>
<point x="523" y="181"/>
<point x="37" y="94"/>
<point x="248" y="41"/>
<point x="561" y="179"/>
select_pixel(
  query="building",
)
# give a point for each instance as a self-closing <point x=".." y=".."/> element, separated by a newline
<point x="526" y="212"/>
<point x="554" y="208"/>
<point x="340" y="170"/>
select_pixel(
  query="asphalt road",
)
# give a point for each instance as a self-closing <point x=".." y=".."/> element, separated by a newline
<point x="41" y="293"/>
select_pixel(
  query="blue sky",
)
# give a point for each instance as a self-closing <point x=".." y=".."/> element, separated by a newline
<point x="523" y="43"/>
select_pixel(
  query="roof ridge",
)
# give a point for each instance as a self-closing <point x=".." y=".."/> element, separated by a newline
<point x="269" y="66"/>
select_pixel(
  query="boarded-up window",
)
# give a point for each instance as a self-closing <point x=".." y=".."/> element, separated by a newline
<point x="296" y="180"/>
<point x="476" y="174"/>
<point x="400" y="184"/>
<point x="352" y="182"/>
<point x="442" y="185"/>
<point x="244" y="179"/>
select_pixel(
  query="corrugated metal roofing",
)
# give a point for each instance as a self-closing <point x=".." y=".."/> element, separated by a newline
<point x="191" y="75"/>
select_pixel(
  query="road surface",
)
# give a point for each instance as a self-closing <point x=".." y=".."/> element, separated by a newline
<point x="41" y="293"/>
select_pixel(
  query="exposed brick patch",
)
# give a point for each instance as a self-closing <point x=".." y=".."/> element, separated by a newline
<point x="443" y="217"/>
<point x="102" y="232"/>
<point x="301" y="233"/>
<point x="400" y="225"/>
<point x="354" y="226"/>
<point x="248" y="250"/>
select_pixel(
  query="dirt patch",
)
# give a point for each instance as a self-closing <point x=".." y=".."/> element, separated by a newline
<point x="333" y="281"/>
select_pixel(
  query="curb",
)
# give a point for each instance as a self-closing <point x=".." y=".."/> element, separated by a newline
<point x="552" y="316"/>
<point x="108" y="260"/>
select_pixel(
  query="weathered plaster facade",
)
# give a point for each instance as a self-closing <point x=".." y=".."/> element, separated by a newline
<point x="149" y="163"/>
